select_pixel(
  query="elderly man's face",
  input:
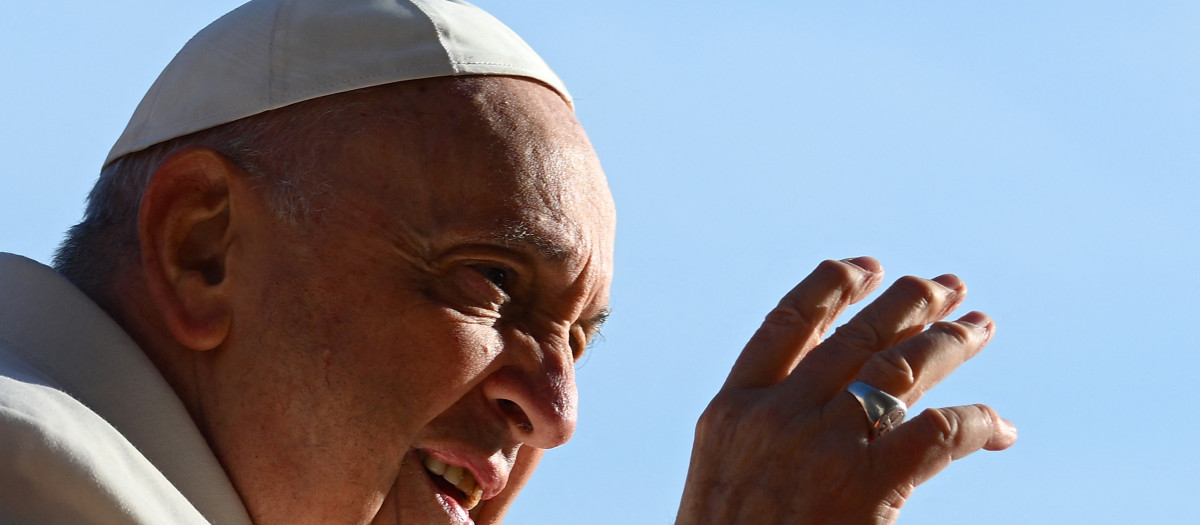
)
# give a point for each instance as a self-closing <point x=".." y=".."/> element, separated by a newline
<point x="427" y="319"/>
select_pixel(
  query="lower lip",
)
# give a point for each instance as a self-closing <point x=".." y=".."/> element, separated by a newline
<point x="458" y="515"/>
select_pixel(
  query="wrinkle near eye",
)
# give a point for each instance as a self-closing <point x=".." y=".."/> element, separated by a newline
<point x="578" y="342"/>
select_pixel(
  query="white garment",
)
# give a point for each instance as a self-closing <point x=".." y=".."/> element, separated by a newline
<point x="90" y="432"/>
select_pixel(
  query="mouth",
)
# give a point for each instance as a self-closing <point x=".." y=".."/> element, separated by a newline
<point x="454" y="480"/>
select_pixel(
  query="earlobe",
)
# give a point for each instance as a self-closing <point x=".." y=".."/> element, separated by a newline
<point x="185" y="231"/>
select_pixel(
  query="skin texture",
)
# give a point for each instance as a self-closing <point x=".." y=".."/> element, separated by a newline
<point x="788" y="386"/>
<point x="437" y="304"/>
<point x="460" y="264"/>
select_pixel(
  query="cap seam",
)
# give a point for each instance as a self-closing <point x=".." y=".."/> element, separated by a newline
<point x="276" y="29"/>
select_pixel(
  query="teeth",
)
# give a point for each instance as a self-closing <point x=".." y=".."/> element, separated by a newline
<point x="434" y="465"/>
<point x="454" y="475"/>
<point x="473" y="499"/>
<point x="457" y="476"/>
<point x="467" y="485"/>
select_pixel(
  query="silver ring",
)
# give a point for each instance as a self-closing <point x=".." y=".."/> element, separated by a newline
<point x="884" y="410"/>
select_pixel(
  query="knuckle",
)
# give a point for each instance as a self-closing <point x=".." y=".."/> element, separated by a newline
<point x="860" y="333"/>
<point x="896" y="368"/>
<point x="922" y="292"/>
<point x="716" y="415"/>
<point x="797" y="311"/>
<point x="944" y="427"/>
<point x="958" y="333"/>
<point x="946" y="422"/>
<point x="987" y="413"/>
<point x="956" y="431"/>
<point x="843" y="272"/>
<point x="788" y="315"/>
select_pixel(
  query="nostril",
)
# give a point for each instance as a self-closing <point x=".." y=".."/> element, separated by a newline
<point x="516" y="415"/>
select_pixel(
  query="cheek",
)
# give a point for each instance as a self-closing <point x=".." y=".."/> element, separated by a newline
<point x="371" y="343"/>
<point x="444" y="359"/>
<point x="414" y="365"/>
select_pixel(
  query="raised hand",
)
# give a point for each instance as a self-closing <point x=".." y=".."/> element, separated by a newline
<point x="784" y="442"/>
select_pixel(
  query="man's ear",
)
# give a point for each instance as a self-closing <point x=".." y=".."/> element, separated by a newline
<point x="184" y="227"/>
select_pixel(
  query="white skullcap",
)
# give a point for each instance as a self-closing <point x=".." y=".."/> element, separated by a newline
<point x="268" y="54"/>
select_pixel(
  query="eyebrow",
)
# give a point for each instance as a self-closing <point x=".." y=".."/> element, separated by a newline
<point x="522" y="234"/>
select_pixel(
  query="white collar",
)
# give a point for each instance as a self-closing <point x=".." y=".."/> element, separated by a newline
<point x="47" y="321"/>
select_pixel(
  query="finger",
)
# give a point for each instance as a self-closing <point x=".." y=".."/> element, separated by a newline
<point x="801" y="319"/>
<point x="909" y="369"/>
<point x="901" y="311"/>
<point x="922" y="447"/>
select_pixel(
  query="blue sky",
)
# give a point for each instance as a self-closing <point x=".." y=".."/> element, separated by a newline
<point x="1046" y="152"/>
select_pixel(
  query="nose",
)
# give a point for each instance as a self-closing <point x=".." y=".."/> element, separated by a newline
<point x="535" y="392"/>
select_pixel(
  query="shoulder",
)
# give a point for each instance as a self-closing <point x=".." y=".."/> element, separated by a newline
<point x="63" y="463"/>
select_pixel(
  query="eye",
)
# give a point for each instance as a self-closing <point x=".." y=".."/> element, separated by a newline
<point x="491" y="283"/>
<point x="497" y="275"/>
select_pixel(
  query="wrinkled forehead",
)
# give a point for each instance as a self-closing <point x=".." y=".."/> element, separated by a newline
<point x="530" y="141"/>
<point x="499" y="152"/>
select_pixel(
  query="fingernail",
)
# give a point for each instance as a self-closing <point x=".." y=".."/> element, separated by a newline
<point x="950" y="281"/>
<point x="977" y="319"/>
<point x="866" y="264"/>
<point x="981" y="322"/>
